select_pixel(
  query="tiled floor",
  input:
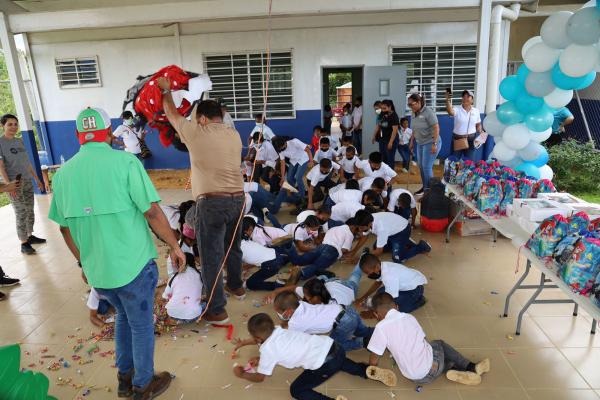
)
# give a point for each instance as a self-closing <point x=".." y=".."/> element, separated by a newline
<point x="555" y="358"/>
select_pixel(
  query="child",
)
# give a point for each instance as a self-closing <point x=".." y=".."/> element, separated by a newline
<point x="263" y="235"/>
<point x="403" y="145"/>
<point x="342" y="212"/>
<point x="350" y="191"/>
<point x="307" y="235"/>
<point x="99" y="308"/>
<point x="320" y="176"/>
<point x="327" y="116"/>
<point x="419" y="360"/>
<point x="187" y="244"/>
<point x="261" y="203"/>
<point x="319" y="356"/>
<point x="184" y="293"/>
<point x="346" y="123"/>
<point x="261" y="126"/>
<point x="349" y="164"/>
<point x="408" y="208"/>
<point x="269" y="260"/>
<point x="176" y="215"/>
<point x="343" y="324"/>
<point x="374" y="167"/>
<point x="323" y="214"/>
<point x="341" y="150"/>
<point x="325" y="150"/>
<point x="316" y="137"/>
<point x="404" y="284"/>
<point x="300" y="158"/>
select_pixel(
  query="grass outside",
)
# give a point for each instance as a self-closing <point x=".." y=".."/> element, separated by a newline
<point x="4" y="199"/>
<point x="590" y="197"/>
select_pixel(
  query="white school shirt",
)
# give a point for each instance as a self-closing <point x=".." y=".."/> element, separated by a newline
<point x="314" y="318"/>
<point x="343" y="211"/>
<point x="250" y="187"/>
<point x="395" y="195"/>
<point x="465" y="121"/>
<point x="348" y="165"/>
<point x="247" y="203"/>
<point x="184" y="293"/>
<point x="172" y="214"/>
<point x="384" y="171"/>
<point x="339" y="237"/>
<point x="93" y="301"/>
<point x="346" y="121"/>
<point x="267" y="132"/>
<point x="320" y="155"/>
<point x="405" y="339"/>
<point x="339" y="292"/>
<point x="295" y="151"/>
<point x="315" y="176"/>
<point x="334" y="141"/>
<point x="267" y="154"/>
<point x="293" y="349"/>
<point x="357" y="116"/>
<point x="346" y="195"/>
<point x="386" y="224"/>
<point x="399" y="278"/>
<point x="255" y="254"/>
<point x="366" y="183"/>
<point x="171" y="269"/>
<point x="301" y="233"/>
<point x="405" y="135"/>
<point x="130" y="138"/>
<point x="259" y="235"/>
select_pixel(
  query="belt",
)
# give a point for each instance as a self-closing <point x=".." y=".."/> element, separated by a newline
<point x="339" y="317"/>
<point x="210" y="195"/>
<point x="469" y="136"/>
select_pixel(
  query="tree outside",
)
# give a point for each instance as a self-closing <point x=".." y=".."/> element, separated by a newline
<point x="7" y="104"/>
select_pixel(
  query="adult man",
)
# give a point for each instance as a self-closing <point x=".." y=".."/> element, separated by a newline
<point x="467" y="124"/>
<point x="217" y="185"/>
<point x="357" y="121"/>
<point x="103" y="201"/>
<point x="562" y="118"/>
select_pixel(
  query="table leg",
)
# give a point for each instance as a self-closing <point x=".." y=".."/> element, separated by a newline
<point x="514" y="288"/>
<point x="575" y="310"/>
<point x="529" y="303"/>
<point x="594" y="322"/>
<point x="494" y="234"/>
<point x="461" y="209"/>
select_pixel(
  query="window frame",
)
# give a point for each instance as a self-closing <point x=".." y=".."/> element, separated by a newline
<point x="75" y="60"/>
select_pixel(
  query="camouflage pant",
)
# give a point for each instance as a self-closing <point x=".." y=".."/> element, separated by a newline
<point x="23" y="206"/>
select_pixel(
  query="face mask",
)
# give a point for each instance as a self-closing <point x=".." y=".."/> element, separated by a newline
<point x="282" y="317"/>
<point x="313" y="234"/>
<point x="378" y="111"/>
<point x="322" y="221"/>
<point x="374" y="275"/>
<point x="366" y="233"/>
<point x="128" y="122"/>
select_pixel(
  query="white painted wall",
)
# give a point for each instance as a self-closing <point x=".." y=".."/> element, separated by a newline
<point x="122" y="60"/>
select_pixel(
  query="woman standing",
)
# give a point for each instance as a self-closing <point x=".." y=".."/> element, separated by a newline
<point x="15" y="165"/>
<point x="467" y="124"/>
<point x="389" y="123"/>
<point x="426" y="132"/>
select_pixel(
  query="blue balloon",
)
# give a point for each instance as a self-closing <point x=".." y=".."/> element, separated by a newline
<point x="508" y="113"/>
<point x="528" y="104"/>
<point x="522" y="73"/>
<point x="542" y="158"/>
<point x="566" y="82"/>
<point x="540" y="120"/>
<point x="510" y="88"/>
<point x="529" y="169"/>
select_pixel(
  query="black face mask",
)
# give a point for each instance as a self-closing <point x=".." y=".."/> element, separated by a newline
<point x="322" y="221"/>
<point x="374" y="275"/>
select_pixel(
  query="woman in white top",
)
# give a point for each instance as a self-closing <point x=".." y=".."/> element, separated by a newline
<point x="467" y="123"/>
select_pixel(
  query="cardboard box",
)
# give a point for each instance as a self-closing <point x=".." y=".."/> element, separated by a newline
<point x="563" y="198"/>
<point x="537" y="210"/>
<point x="472" y="227"/>
<point x="591" y="209"/>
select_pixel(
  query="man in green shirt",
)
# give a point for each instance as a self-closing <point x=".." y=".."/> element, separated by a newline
<point x="103" y="201"/>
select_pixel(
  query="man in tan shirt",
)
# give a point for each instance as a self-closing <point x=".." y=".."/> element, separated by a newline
<point x="215" y="155"/>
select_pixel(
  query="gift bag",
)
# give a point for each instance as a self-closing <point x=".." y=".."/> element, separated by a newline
<point x="451" y="167"/>
<point x="524" y="188"/>
<point x="509" y="192"/>
<point x="596" y="290"/>
<point x="490" y="197"/>
<point x="543" y="186"/>
<point x="507" y="172"/>
<point x="464" y="172"/>
<point x="473" y="183"/>
<point x="582" y="264"/>
<point x="547" y="236"/>
<point x="579" y="222"/>
<point x="595" y="225"/>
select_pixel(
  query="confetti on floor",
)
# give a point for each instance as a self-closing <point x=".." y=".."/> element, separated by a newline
<point x="226" y="386"/>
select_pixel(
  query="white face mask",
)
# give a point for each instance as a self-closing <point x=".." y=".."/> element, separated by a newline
<point x="282" y="317"/>
<point x="366" y="233"/>
<point x="378" y="111"/>
<point x="128" y="122"/>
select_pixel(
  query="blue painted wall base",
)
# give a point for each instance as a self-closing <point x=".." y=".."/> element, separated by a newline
<point x="32" y="153"/>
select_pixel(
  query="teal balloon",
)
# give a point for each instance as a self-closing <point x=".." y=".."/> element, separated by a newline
<point x="529" y="169"/>
<point x="522" y="74"/>
<point x="542" y="159"/>
<point x="527" y="104"/>
<point x="510" y="88"/>
<point x="566" y="82"/>
<point x="540" y="120"/>
<point x="508" y="113"/>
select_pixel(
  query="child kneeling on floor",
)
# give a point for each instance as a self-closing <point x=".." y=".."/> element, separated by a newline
<point x="184" y="293"/>
<point x="319" y="356"/>
<point x="419" y="360"/>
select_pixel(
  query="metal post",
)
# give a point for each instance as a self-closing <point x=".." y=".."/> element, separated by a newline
<point x="585" y="121"/>
<point x="514" y="288"/>
<point x="530" y="302"/>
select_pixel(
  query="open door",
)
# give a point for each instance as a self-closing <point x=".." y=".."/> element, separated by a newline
<point x="381" y="83"/>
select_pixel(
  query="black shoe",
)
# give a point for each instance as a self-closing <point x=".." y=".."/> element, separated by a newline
<point x="328" y="274"/>
<point x="35" y="240"/>
<point x="125" y="388"/>
<point x="6" y="281"/>
<point x="27" y="249"/>
<point x="420" y="191"/>
<point x="2" y="296"/>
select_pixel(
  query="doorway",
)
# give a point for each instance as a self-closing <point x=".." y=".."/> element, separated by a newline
<point x="341" y="85"/>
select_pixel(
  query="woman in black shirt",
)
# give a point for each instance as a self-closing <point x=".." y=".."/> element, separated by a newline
<point x="389" y="124"/>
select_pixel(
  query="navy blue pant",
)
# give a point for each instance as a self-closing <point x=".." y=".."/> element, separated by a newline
<point x="401" y="247"/>
<point x="317" y="260"/>
<point x="409" y="300"/>
<point x="283" y="255"/>
<point x="389" y="156"/>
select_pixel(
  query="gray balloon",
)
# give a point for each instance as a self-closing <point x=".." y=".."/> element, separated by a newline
<point x="583" y="27"/>
<point x="539" y="84"/>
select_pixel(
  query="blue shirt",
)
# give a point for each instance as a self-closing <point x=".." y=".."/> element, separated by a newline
<point x="560" y="116"/>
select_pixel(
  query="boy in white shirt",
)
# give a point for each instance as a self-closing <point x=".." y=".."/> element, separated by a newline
<point x="349" y="162"/>
<point x="418" y="360"/>
<point x="184" y="293"/>
<point x="375" y="167"/>
<point x="300" y="158"/>
<point x="349" y="191"/>
<point x="325" y="150"/>
<point x="320" y="176"/>
<point x="269" y="260"/>
<point x="394" y="204"/>
<point x="405" y="134"/>
<point x="404" y="284"/>
<point x="99" y="307"/>
<point x="319" y="356"/>
<point x="261" y="125"/>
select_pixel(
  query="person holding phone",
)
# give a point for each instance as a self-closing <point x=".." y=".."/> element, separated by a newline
<point x="14" y="163"/>
<point x="467" y="125"/>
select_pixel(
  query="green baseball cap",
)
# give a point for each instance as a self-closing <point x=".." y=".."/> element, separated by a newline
<point x="93" y="125"/>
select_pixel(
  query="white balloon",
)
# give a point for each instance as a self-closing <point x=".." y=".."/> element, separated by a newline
<point x="554" y="30"/>
<point x="583" y="27"/>
<point x="529" y="44"/>
<point x="559" y="98"/>
<point x="541" y="58"/>
<point x="492" y="125"/>
<point x="503" y="152"/>
<point x="577" y="60"/>
<point x="531" y="151"/>
<point x="513" y="162"/>
<point x="539" y="84"/>
<point x="516" y="136"/>
<point x="540" y="137"/>
<point x="591" y="3"/>
<point x="546" y="172"/>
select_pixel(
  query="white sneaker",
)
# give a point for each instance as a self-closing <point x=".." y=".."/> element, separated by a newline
<point x="414" y="163"/>
<point x="286" y="185"/>
<point x="265" y="210"/>
<point x="405" y="170"/>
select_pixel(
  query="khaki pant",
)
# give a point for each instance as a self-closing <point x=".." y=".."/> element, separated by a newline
<point x="23" y="206"/>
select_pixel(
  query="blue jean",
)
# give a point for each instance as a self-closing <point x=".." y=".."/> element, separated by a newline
<point x="357" y="140"/>
<point x="409" y="300"/>
<point x="425" y="161"/>
<point x="295" y="177"/>
<point x="401" y="247"/>
<point x="261" y="199"/>
<point x="283" y="255"/>
<point x="445" y="358"/>
<point x="134" y="324"/>
<point x="404" y="152"/>
<point x="103" y="307"/>
<point x="353" y="281"/>
<point x="317" y="260"/>
<point x="336" y="361"/>
<point x="351" y="333"/>
<point x="466" y="154"/>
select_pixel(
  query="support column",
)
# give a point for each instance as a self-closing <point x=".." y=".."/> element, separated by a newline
<point x="483" y="41"/>
<point x="19" y="95"/>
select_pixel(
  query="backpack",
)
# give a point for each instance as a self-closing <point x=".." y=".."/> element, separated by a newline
<point x="489" y="197"/>
<point x="524" y="188"/>
<point x="543" y="186"/>
<point x="582" y="264"/>
<point x="509" y="192"/>
<point x="547" y="236"/>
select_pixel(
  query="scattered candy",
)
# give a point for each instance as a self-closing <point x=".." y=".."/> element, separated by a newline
<point x="248" y="386"/>
<point x="48" y="356"/>
<point x="509" y="337"/>
<point x="86" y="392"/>
<point x="510" y="352"/>
<point x="80" y="372"/>
<point x="419" y="388"/>
<point x="494" y="292"/>
<point x="195" y="367"/>
<point x="487" y="303"/>
<point x="77" y="347"/>
<point x="66" y="364"/>
<point x="392" y="395"/>
<point x="226" y="386"/>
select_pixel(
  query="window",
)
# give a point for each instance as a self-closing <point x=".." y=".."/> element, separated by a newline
<point x="238" y="79"/>
<point x="78" y="72"/>
<point x="432" y="69"/>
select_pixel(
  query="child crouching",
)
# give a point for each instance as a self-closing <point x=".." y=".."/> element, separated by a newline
<point x="184" y="293"/>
